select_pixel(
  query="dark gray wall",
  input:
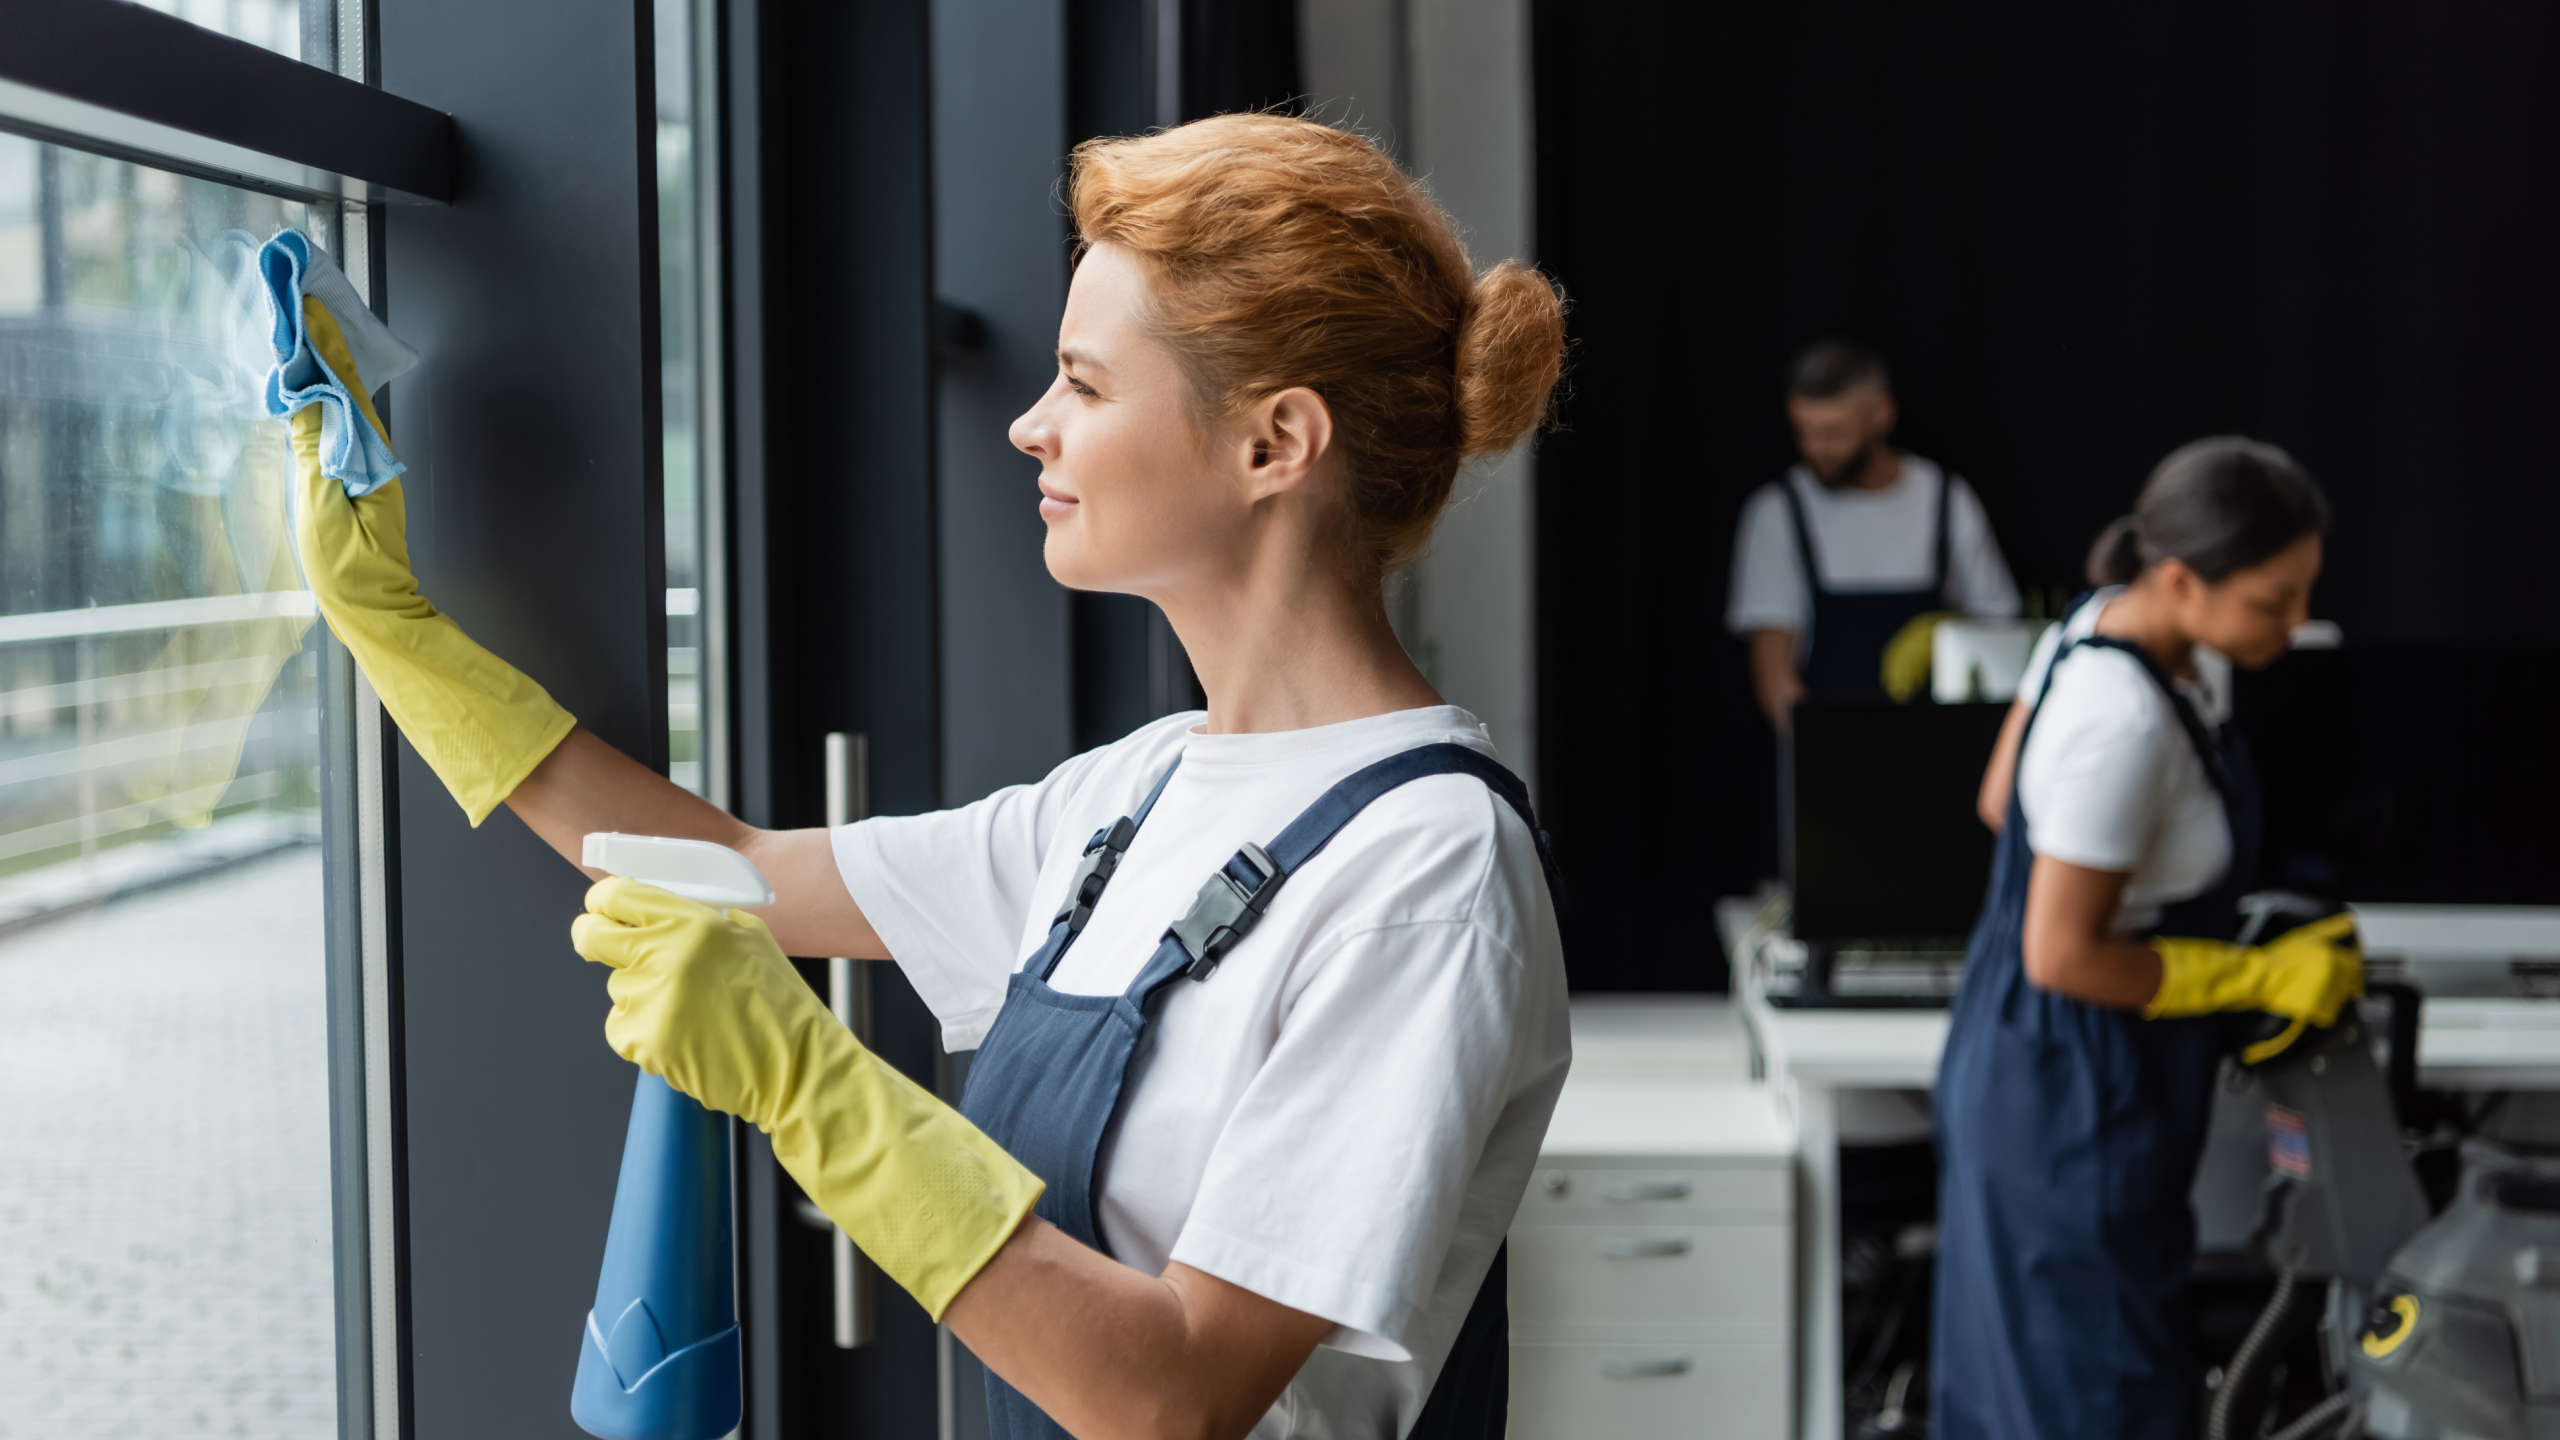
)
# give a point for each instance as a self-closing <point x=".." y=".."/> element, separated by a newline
<point x="531" y="433"/>
<point x="2082" y="236"/>
<point x="999" y="252"/>
<point x="832" y="478"/>
<point x="833" y="402"/>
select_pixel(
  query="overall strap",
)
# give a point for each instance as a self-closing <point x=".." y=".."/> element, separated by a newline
<point x="2238" y="803"/>
<point x="1149" y="804"/>
<point x="1946" y="502"/>
<point x="2227" y="769"/>
<point x="2044" y="686"/>
<point x="1101" y="861"/>
<point x="1804" y="536"/>
<point x="2198" y="735"/>
<point x="1234" y="898"/>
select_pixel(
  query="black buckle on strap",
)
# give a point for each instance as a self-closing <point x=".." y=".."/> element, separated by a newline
<point x="1101" y="859"/>
<point x="1227" y="908"/>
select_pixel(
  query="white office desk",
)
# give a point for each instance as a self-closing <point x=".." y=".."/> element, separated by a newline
<point x="1810" y="1056"/>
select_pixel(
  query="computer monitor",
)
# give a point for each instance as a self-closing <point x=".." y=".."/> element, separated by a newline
<point x="2401" y="773"/>
<point x="2420" y="774"/>
<point x="1881" y="839"/>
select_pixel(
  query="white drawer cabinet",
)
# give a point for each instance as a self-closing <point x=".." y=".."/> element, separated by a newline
<point x="1687" y="1277"/>
<point x="1647" y="1387"/>
<point x="1615" y="1194"/>
<point x="1652" y="1267"/>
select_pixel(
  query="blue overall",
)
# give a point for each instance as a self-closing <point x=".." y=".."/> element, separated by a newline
<point x="1851" y="627"/>
<point x="1048" y="1076"/>
<point x="2068" y="1138"/>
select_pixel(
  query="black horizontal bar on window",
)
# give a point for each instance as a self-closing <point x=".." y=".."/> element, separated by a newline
<point x="156" y="67"/>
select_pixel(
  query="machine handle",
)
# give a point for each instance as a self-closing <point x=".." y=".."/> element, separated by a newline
<point x="1643" y="1191"/>
<point x="2401" y="1074"/>
<point x="1645" y="1369"/>
<point x="1627" y="1248"/>
<point x="848" y="765"/>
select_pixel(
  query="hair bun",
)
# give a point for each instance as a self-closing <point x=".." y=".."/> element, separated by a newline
<point x="1510" y="354"/>
<point x="2117" y="557"/>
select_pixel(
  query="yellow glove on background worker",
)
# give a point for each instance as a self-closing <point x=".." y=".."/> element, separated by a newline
<point x="1905" y="667"/>
<point x="705" y="999"/>
<point x="476" y="720"/>
<point x="2306" y="975"/>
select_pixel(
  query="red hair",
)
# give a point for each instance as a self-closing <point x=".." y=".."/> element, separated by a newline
<point x="1287" y="253"/>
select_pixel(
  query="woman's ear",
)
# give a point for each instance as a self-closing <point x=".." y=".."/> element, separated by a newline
<point x="1288" y="435"/>
<point x="2179" y="581"/>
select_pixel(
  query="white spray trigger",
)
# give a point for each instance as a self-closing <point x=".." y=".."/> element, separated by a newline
<point x="694" y="869"/>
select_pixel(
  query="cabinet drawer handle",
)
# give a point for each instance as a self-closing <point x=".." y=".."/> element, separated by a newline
<point x="1639" y="1191"/>
<point x="1662" y="1249"/>
<point x="1644" y="1369"/>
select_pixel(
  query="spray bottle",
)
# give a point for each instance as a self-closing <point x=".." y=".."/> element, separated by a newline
<point x="660" y="1358"/>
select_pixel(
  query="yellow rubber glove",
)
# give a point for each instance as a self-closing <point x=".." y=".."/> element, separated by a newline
<point x="704" y="998"/>
<point x="1905" y="669"/>
<point x="476" y="720"/>
<point x="2306" y="975"/>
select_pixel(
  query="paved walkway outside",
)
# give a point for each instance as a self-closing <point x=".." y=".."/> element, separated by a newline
<point x="164" y="1182"/>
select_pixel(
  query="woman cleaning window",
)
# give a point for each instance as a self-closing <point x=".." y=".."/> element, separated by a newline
<point x="1268" y="1001"/>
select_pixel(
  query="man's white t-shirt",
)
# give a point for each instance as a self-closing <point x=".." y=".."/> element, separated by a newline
<point x="2109" y="779"/>
<point x="1344" y="1116"/>
<point x="1865" y="541"/>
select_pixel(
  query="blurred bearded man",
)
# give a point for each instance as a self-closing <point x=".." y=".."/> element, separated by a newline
<point x="1853" y="544"/>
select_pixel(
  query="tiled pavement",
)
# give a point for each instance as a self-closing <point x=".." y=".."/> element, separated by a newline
<point x="164" y="1185"/>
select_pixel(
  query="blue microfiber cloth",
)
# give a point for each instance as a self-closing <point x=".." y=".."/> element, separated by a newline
<point x="351" y="453"/>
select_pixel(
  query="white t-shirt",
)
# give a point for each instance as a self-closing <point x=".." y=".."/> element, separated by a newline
<point x="2109" y="779"/>
<point x="1864" y="541"/>
<point x="1344" y="1116"/>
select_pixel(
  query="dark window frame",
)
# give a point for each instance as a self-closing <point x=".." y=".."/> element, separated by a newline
<point x="140" y="63"/>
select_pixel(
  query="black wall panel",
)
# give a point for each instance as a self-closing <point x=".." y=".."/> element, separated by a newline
<point x="1000" y="255"/>
<point x="835" y="504"/>
<point x="531" y="433"/>
<point x="830" y="271"/>
<point x="2083" y="236"/>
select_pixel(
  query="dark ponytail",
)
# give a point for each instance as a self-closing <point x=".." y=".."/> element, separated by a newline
<point x="2117" y="557"/>
<point x="2221" y="505"/>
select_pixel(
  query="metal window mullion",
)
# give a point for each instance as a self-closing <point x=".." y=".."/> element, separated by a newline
<point x="711" y="470"/>
<point x="363" y="1123"/>
<point x="363" y="1048"/>
<point x="382" y="1192"/>
<point x="350" y="1119"/>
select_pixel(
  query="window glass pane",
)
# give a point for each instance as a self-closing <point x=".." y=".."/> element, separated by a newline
<point x="165" y="1197"/>
<point x="679" y="330"/>
<point x="288" y="27"/>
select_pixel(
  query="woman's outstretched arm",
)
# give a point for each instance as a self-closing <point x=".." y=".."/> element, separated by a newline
<point x="488" y="731"/>
<point x="585" y="785"/>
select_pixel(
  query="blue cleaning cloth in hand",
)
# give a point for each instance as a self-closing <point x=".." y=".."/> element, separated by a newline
<point x="351" y="452"/>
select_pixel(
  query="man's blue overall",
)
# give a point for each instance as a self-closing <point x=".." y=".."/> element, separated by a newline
<point x="1852" y="627"/>
<point x="1048" y="1076"/>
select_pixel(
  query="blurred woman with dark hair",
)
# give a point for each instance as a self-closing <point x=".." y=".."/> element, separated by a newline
<point x="2077" y="1080"/>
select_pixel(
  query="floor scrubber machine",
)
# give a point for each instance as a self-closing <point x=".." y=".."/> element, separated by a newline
<point x="2431" y="1327"/>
